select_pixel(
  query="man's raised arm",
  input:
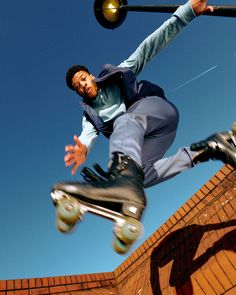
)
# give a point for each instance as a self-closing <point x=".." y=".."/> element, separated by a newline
<point x="162" y="36"/>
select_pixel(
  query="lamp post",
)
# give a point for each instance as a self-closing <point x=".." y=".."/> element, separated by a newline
<point x="112" y="13"/>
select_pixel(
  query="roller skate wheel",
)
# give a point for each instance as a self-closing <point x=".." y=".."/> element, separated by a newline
<point x="119" y="246"/>
<point x="233" y="128"/>
<point x="69" y="210"/>
<point x="64" y="227"/>
<point x="131" y="230"/>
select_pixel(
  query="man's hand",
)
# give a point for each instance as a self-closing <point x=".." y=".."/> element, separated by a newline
<point x="200" y="6"/>
<point x="76" y="155"/>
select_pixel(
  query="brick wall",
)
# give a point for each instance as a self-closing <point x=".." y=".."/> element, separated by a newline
<point x="193" y="253"/>
<point x="96" y="284"/>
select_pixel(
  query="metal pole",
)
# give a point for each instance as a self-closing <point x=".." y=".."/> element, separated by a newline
<point x="112" y="13"/>
<point x="225" y="10"/>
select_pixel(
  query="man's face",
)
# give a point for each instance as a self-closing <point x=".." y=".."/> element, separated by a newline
<point x="84" y="84"/>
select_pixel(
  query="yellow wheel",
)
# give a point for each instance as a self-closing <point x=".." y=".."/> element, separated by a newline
<point x="64" y="227"/>
<point x="131" y="230"/>
<point x="234" y="128"/>
<point x="68" y="210"/>
<point x="119" y="246"/>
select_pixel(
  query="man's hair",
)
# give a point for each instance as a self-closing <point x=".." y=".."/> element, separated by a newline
<point x="70" y="74"/>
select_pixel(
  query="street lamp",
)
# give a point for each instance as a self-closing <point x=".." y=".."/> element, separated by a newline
<point x="112" y="13"/>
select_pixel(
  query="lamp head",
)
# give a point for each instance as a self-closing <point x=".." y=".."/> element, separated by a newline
<point x="109" y="13"/>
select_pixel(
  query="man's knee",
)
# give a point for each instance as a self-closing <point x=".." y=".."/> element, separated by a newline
<point x="150" y="175"/>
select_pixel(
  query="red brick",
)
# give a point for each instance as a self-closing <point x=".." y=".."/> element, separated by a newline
<point x="196" y="199"/>
<point x="177" y="216"/>
<point x="189" y="216"/>
<point x="3" y="285"/>
<point x="72" y="287"/>
<point x="39" y="291"/>
<point x="25" y="284"/>
<point x="10" y="285"/>
<point x="231" y="291"/>
<point x="19" y="292"/>
<point x="213" y="280"/>
<point x="73" y="279"/>
<point x="218" y="271"/>
<point x="200" y="206"/>
<point x="165" y="228"/>
<point x="78" y="279"/>
<point x="17" y="284"/>
<point x="182" y="212"/>
<point x="215" y="180"/>
<point x="220" y="175"/>
<point x="200" y="194"/>
<point x="57" y="289"/>
<point x="49" y="282"/>
<point x="38" y="282"/>
<point x="93" y="285"/>
<point x="227" y="267"/>
<point x="197" y="288"/>
<point x="232" y="176"/>
<point x="226" y="169"/>
<point x="217" y="190"/>
<point x="205" y="189"/>
<point x="84" y="278"/>
<point x="32" y="283"/>
<point x="173" y="220"/>
<point x="191" y="203"/>
<point x="157" y="236"/>
<point x="209" y="185"/>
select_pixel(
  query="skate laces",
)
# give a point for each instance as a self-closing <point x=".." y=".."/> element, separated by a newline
<point x="90" y="175"/>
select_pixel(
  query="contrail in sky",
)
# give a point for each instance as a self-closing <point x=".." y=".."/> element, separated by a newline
<point x="194" y="78"/>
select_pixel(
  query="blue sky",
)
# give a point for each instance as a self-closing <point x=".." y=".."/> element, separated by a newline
<point x="39" y="116"/>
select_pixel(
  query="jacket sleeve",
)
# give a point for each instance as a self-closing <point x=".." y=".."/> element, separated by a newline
<point x="88" y="134"/>
<point x="159" y="39"/>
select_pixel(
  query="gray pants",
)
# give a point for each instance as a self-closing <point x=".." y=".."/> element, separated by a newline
<point x="145" y="132"/>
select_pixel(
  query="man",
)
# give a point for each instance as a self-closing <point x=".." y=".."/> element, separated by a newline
<point x="140" y="123"/>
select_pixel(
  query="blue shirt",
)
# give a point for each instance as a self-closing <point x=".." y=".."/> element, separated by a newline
<point x="109" y="101"/>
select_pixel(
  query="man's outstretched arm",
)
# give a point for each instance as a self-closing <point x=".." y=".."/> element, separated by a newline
<point x="166" y="33"/>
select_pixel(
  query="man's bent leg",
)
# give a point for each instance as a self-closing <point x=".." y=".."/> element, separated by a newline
<point x="127" y="137"/>
<point x="220" y="146"/>
<point x="167" y="168"/>
<point x="146" y="131"/>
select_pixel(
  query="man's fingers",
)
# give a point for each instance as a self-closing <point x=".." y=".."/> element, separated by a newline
<point x="76" y="154"/>
<point x="68" y="157"/>
<point x="69" y="148"/>
<point x="77" y="141"/>
<point x="76" y="165"/>
<point x="69" y="162"/>
<point x="210" y="8"/>
<point x="74" y="169"/>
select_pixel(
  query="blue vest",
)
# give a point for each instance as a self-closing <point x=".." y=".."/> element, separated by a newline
<point x="131" y="89"/>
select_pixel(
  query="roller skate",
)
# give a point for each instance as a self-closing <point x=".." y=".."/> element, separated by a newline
<point x="117" y="195"/>
<point x="219" y="146"/>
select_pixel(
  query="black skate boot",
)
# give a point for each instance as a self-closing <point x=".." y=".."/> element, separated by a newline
<point x="120" y="190"/>
<point x="117" y="195"/>
<point x="219" y="146"/>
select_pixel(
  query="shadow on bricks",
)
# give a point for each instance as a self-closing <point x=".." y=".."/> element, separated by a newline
<point x="181" y="247"/>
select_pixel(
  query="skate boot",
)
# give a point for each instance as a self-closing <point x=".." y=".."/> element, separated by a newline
<point x="219" y="146"/>
<point x="117" y="195"/>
